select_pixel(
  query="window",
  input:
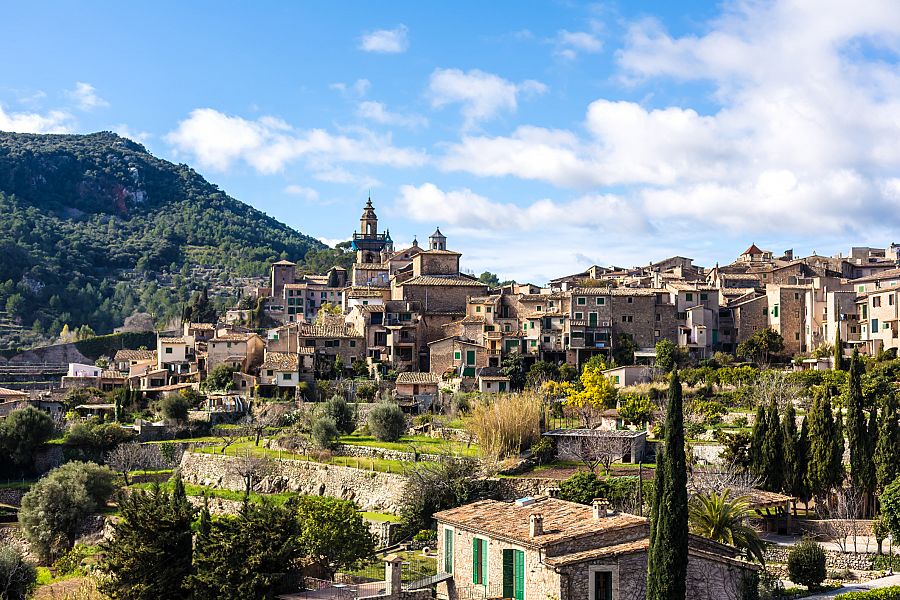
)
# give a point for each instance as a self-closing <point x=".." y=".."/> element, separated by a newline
<point x="353" y="343"/>
<point x="704" y="297"/>
<point x="765" y="311"/>
<point x="775" y="311"/>
<point x="627" y="318"/>
<point x="796" y="295"/>
<point x="689" y="297"/>
<point x="270" y="372"/>
<point x="457" y="355"/>
<point x="876" y="302"/>
<point x="288" y="376"/>
<point x="579" y="316"/>
<point x="630" y="300"/>
<point x="601" y="301"/>
<point x="547" y="338"/>
<point x="891" y="300"/>
<point x="168" y="350"/>
<point x="488" y="309"/>
<point x="797" y="336"/>
<point x="656" y="333"/>
<point x="513" y="574"/>
<point x="448" y="550"/>
<point x="533" y="343"/>
<point x="479" y="561"/>
<point x="874" y="327"/>
<point x="538" y="308"/>
<point x="601" y="584"/>
<point x="616" y="380"/>
<point x="582" y="301"/>
<point x="886" y="326"/>
<point x="506" y="327"/>
<point x="658" y="317"/>
<point x="477" y="309"/>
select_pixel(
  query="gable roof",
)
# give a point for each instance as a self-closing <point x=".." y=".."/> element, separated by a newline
<point x="409" y="378"/>
<point x="280" y="361"/>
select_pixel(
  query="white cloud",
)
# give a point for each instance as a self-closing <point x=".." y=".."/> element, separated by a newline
<point x="331" y="242"/>
<point x="85" y="96"/>
<point x="482" y="95"/>
<point x="803" y="138"/>
<point x="54" y="121"/>
<point x="306" y="193"/>
<point x="217" y="140"/>
<point x="357" y="89"/>
<point x="386" y="41"/>
<point x="570" y="43"/>
<point x="125" y="131"/>
<point x="379" y="113"/>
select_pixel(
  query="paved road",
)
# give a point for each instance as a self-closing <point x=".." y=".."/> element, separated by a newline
<point x="860" y="587"/>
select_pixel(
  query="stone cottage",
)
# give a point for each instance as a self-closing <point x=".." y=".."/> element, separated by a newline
<point x="543" y="548"/>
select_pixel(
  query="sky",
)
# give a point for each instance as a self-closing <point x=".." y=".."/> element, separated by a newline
<point x="541" y="137"/>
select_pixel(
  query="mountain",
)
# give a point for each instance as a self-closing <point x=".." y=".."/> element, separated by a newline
<point x="94" y="228"/>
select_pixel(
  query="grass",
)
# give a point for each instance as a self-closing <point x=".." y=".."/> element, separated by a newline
<point x="21" y="484"/>
<point x="368" y="464"/>
<point x="421" y="443"/>
<point x="199" y="490"/>
<point x="415" y="567"/>
<point x="377" y="516"/>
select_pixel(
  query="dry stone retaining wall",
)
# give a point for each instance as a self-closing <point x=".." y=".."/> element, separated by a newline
<point x="371" y="490"/>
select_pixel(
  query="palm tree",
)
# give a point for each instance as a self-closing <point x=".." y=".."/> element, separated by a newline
<point x="723" y="519"/>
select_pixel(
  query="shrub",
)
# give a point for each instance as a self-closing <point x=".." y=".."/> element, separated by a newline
<point x="711" y="411"/>
<point x="22" y="432"/>
<point x="337" y="409"/>
<point x="175" y="408"/>
<point x="425" y="536"/>
<point x="504" y="425"/>
<point x="888" y="593"/>
<point x="17" y="576"/>
<point x="543" y="450"/>
<point x="324" y="433"/>
<point x="806" y="564"/>
<point x="366" y="391"/>
<point x="387" y="422"/>
<point x="71" y="561"/>
<point x="97" y="438"/>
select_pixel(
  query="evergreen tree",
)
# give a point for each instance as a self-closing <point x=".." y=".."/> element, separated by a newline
<point x="148" y="556"/>
<point x="667" y="558"/>
<point x="887" y="452"/>
<point x="757" y="438"/>
<point x="838" y="349"/>
<point x="246" y="556"/>
<point x="801" y="464"/>
<point x="773" y="451"/>
<point x="825" y="467"/>
<point x="857" y="431"/>
<point x="793" y="461"/>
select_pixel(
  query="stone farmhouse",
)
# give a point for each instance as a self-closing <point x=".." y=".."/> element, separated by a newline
<point x="538" y="548"/>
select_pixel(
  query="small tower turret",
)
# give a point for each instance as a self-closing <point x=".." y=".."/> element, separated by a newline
<point x="368" y="222"/>
<point x="437" y="241"/>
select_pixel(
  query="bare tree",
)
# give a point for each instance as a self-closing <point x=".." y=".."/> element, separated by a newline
<point x="774" y="386"/>
<point x="840" y="519"/>
<point x="595" y="448"/>
<point x="229" y="434"/>
<point x="722" y="477"/>
<point x="134" y="456"/>
<point x="251" y="468"/>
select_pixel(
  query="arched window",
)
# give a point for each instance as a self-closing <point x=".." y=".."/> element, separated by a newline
<point x="368" y="229"/>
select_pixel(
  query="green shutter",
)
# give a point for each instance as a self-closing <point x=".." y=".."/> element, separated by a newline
<point x="448" y="550"/>
<point x="476" y="561"/>
<point x="484" y="563"/>
<point x="520" y="575"/>
<point x="508" y="573"/>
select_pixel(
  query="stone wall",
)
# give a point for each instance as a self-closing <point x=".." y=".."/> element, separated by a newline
<point x="401" y="455"/>
<point x="12" y="496"/>
<point x="369" y="489"/>
<point x="833" y="558"/>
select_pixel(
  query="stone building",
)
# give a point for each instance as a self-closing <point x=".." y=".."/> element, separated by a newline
<point x="539" y="548"/>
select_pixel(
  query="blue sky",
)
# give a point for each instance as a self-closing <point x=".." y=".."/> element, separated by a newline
<point x="541" y="137"/>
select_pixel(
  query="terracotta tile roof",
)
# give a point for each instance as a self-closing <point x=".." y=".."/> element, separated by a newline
<point x="171" y="340"/>
<point x="632" y="547"/>
<point x="472" y="319"/>
<point x="457" y="280"/>
<point x="285" y="263"/>
<point x="563" y="521"/>
<point x="364" y="293"/>
<point x="483" y="299"/>
<point x="128" y="355"/>
<point x="204" y="326"/>
<point x="233" y="337"/>
<point x="451" y="252"/>
<point x="753" y="249"/>
<point x="326" y="330"/>
<point x="409" y="378"/>
<point x="371" y="308"/>
<point x="878" y="276"/>
<point x="280" y="361"/>
<point x="14" y="393"/>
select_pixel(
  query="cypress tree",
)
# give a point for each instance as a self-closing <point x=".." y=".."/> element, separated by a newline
<point x="838" y="349"/>
<point x="801" y="463"/>
<point x="757" y="439"/>
<point x="887" y="452"/>
<point x="668" y="553"/>
<point x="773" y="451"/>
<point x="836" y="466"/>
<point x="790" y="451"/>
<point x="826" y="447"/>
<point x="857" y="432"/>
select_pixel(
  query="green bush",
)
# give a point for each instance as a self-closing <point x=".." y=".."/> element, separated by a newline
<point x="17" y="576"/>
<point x="889" y="593"/>
<point x="324" y="433"/>
<point x="343" y="415"/>
<point x="71" y="561"/>
<point x="806" y="564"/>
<point x="387" y="422"/>
<point x="175" y="408"/>
<point x="543" y="450"/>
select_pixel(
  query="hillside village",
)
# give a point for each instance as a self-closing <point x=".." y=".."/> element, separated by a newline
<point x="545" y="408"/>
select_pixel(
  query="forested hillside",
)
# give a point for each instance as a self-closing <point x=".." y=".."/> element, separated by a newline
<point x="94" y="228"/>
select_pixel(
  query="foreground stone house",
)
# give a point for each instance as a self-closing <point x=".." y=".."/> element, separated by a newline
<point x="545" y="548"/>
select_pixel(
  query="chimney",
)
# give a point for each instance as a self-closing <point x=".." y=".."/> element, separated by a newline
<point x="536" y="525"/>
<point x="600" y="507"/>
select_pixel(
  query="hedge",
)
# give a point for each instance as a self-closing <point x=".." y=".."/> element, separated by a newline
<point x="888" y="593"/>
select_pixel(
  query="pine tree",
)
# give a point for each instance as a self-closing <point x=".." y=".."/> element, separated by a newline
<point x="773" y="451"/>
<point x="148" y="556"/>
<point x="838" y="349"/>
<point x="887" y="452"/>
<point x="757" y="439"/>
<point x="857" y="432"/>
<point x="667" y="557"/>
